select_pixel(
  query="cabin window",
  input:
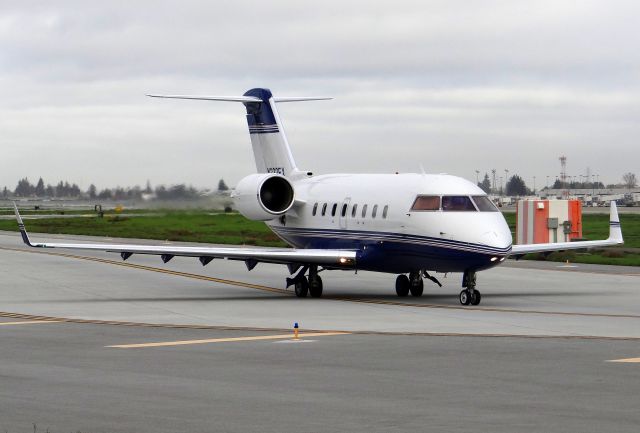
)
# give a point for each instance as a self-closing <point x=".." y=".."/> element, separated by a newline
<point x="364" y="210"/>
<point x="484" y="204"/>
<point x="384" y="211"/>
<point x="426" y="202"/>
<point x="333" y="209"/>
<point x="324" y="209"/>
<point x="315" y="209"/>
<point x="374" y="211"/>
<point x="344" y="210"/>
<point x="457" y="203"/>
<point x="354" y="209"/>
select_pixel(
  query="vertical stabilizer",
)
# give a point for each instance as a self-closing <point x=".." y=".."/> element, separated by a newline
<point x="270" y="146"/>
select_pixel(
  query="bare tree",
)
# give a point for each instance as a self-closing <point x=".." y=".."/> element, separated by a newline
<point x="629" y="179"/>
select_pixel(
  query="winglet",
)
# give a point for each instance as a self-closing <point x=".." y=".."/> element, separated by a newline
<point x="615" y="231"/>
<point x="23" y="231"/>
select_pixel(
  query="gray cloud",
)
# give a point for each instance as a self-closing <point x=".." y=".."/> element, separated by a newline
<point x="455" y="86"/>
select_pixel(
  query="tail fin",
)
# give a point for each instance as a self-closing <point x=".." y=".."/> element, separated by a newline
<point x="270" y="146"/>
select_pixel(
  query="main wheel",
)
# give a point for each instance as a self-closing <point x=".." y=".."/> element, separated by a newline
<point x="476" y="297"/>
<point x="302" y="287"/>
<point x="417" y="289"/>
<point x="465" y="297"/>
<point x="315" y="286"/>
<point x="402" y="285"/>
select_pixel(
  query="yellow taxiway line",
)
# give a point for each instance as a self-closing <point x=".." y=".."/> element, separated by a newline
<point x="226" y="340"/>
<point x="630" y="360"/>
<point x="30" y="322"/>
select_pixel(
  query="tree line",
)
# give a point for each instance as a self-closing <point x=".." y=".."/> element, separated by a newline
<point x="516" y="186"/>
<point x="64" y="189"/>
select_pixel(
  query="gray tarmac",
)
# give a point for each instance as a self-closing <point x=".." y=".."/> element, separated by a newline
<point x="533" y="357"/>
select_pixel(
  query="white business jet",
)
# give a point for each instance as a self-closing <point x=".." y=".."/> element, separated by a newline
<point x="405" y="224"/>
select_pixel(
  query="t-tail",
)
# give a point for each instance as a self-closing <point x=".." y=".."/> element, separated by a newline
<point x="270" y="146"/>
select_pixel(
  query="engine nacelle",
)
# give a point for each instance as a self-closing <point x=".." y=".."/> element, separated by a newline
<point x="263" y="196"/>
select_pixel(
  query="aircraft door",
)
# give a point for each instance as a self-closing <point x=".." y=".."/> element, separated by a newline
<point x="344" y="212"/>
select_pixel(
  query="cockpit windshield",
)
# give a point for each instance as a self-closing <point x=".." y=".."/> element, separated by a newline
<point x="426" y="202"/>
<point x="457" y="203"/>
<point x="454" y="203"/>
<point x="484" y="204"/>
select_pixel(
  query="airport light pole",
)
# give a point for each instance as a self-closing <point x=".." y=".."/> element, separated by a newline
<point x="493" y="172"/>
<point x="477" y="180"/>
<point x="534" y="185"/>
<point x="506" y="180"/>
<point x="546" y="185"/>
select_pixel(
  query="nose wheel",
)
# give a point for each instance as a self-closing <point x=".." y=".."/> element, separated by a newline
<point x="469" y="296"/>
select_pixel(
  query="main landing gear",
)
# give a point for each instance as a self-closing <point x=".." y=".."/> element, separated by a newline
<point x="469" y="296"/>
<point x="311" y="285"/>
<point x="412" y="284"/>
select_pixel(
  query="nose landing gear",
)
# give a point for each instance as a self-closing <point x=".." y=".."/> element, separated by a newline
<point x="469" y="296"/>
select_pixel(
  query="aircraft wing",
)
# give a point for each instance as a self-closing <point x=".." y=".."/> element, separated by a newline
<point x="615" y="238"/>
<point x="250" y="255"/>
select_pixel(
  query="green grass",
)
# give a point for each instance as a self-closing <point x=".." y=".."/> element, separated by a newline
<point x="73" y="211"/>
<point x="188" y="226"/>
<point x="207" y="227"/>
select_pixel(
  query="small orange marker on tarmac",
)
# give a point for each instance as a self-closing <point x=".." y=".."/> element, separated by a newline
<point x="295" y="331"/>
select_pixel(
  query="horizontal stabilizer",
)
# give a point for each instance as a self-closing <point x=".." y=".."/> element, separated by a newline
<point x="300" y="98"/>
<point x="243" y="98"/>
<point x="211" y="98"/>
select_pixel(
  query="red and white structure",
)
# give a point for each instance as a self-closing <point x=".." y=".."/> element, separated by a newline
<point x="545" y="221"/>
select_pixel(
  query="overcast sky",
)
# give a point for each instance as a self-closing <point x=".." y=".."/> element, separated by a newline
<point x="454" y="86"/>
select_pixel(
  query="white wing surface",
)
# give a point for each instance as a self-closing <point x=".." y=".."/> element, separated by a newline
<point x="615" y="238"/>
<point x="251" y="255"/>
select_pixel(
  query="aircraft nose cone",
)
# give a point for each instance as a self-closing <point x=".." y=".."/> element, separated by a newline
<point x="497" y="239"/>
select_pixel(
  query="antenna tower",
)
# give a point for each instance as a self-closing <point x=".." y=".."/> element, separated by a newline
<point x="563" y="175"/>
<point x="493" y="171"/>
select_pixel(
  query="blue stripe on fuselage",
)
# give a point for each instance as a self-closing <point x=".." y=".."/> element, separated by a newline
<point x="397" y="253"/>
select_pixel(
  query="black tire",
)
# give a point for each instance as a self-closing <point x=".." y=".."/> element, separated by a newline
<point x="418" y="289"/>
<point x="402" y="285"/>
<point x="315" y="286"/>
<point x="476" y="297"/>
<point x="465" y="297"/>
<point x="302" y="287"/>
